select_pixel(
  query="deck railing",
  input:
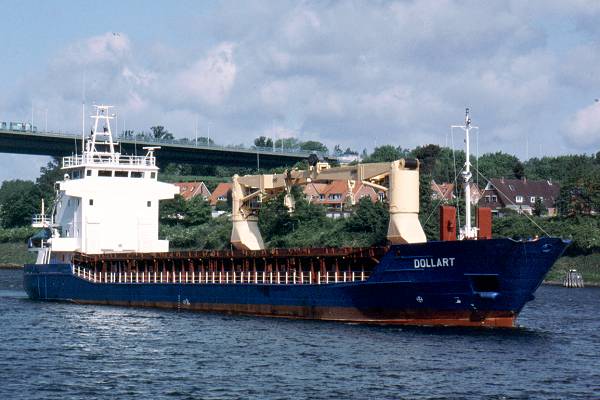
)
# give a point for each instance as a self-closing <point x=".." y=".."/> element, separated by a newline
<point x="220" y="277"/>
<point x="118" y="159"/>
<point x="41" y="220"/>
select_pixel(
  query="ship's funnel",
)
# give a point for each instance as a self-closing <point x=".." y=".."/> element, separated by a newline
<point x="404" y="226"/>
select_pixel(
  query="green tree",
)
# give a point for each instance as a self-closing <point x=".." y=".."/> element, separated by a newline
<point x="274" y="219"/>
<point x="287" y="143"/>
<point x="429" y="156"/>
<point x="263" y="141"/>
<point x="384" y="154"/>
<point x="197" y="211"/>
<point x="538" y="207"/>
<point x="222" y="206"/>
<point x="177" y="169"/>
<point x="428" y="211"/>
<point x="564" y="169"/>
<point x="498" y="165"/>
<point x="441" y="163"/>
<point x="19" y="200"/>
<point x="580" y="197"/>
<point x="371" y="218"/>
<point x="203" y="140"/>
<point x="308" y="214"/>
<point x="159" y="132"/>
<point x="313" y="145"/>
<point x="49" y="175"/>
<point x="519" y="170"/>
<point x="172" y="211"/>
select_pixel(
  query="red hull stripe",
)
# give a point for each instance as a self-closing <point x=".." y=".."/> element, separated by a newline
<point x="501" y="319"/>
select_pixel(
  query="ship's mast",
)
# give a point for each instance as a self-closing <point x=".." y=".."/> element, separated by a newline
<point x="467" y="232"/>
<point x="108" y="146"/>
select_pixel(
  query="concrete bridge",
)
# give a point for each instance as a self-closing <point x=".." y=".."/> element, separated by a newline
<point x="172" y="151"/>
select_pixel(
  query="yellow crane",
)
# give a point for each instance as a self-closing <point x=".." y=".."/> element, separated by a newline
<point x="399" y="179"/>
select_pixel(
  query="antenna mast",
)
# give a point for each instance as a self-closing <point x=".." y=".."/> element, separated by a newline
<point x="104" y="137"/>
<point x="467" y="232"/>
<point x="83" y="114"/>
<point x="82" y="127"/>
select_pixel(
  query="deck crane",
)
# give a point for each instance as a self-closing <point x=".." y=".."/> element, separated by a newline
<point x="399" y="179"/>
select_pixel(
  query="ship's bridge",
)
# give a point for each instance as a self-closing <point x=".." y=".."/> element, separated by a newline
<point x="101" y="206"/>
<point x="110" y="165"/>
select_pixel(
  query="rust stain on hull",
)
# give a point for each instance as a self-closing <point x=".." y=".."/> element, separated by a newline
<point x="496" y="319"/>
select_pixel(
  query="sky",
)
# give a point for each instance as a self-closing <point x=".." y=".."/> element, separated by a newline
<point x="358" y="74"/>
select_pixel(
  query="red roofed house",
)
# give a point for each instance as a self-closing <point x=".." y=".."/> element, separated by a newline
<point x="520" y="195"/>
<point x="220" y="193"/>
<point x="334" y="195"/>
<point x="442" y="191"/>
<point x="313" y="191"/>
<point x="192" y="189"/>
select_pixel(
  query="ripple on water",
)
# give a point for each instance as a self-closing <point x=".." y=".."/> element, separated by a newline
<point x="52" y="350"/>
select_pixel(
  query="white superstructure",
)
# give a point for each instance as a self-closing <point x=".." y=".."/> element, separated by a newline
<point x="107" y="202"/>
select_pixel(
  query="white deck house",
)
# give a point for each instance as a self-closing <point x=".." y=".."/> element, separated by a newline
<point x="107" y="202"/>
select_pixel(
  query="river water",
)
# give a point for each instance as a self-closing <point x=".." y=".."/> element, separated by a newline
<point x="67" y="351"/>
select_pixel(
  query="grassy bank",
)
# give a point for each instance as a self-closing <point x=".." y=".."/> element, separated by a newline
<point x="15" y="254"/>
<point x="588" y="266"/>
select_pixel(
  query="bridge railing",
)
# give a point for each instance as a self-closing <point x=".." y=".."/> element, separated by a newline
<point x="181" y="142"/>
<point x="204" y="144"/>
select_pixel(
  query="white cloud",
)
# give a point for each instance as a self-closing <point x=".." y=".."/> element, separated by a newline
<point x="345" y="72"/>
<point x="210" y="79"/>
<point x="583" y="131"/>
<point x="300" y="25"/>
<point x="109" y="47"/>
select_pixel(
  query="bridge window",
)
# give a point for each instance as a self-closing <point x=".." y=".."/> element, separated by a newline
<point x="136" y="174"/>
<point x="153" y="175"/>
<point x="91" y="202"/>
<point x="105" y="173"/>
<point x="88" y="172"/>
<point x="121" y="174"/>
<point x="149" y="204"/>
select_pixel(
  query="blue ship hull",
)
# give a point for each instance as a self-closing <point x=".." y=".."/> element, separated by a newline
<point x="461" y="283"/>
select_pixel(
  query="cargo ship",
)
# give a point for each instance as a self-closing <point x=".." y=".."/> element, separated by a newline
<point x="100" y="245"/>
